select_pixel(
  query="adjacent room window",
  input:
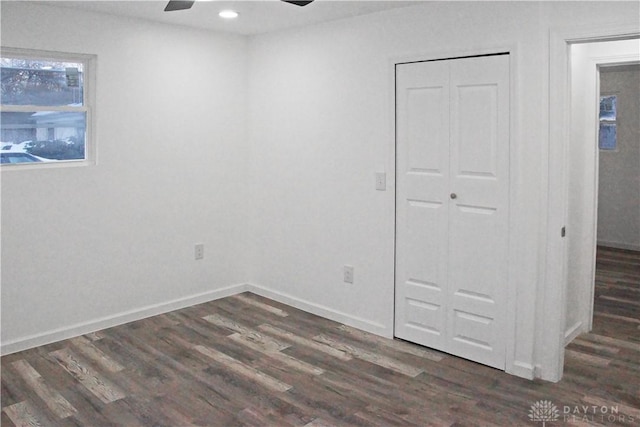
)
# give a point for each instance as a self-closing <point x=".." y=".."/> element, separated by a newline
<point x="45" y="111"/>
<point x="607" y="135"/>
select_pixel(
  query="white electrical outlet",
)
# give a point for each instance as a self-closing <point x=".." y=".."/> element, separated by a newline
<point x="199" y="251"/>
<point x="348" y="274"/>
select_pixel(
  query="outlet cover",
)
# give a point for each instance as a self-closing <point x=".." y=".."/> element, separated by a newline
<point x="199" y="251"/>
<point x="348" y="274"/>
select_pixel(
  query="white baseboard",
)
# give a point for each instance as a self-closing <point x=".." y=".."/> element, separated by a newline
<point x="618" y="245"/>
<point x="71" y="331"/>
<point x="67" y="332"/>
<point x="573" y="332"/>
<point x="322" y="311"/>
<point x="522" y="370"/>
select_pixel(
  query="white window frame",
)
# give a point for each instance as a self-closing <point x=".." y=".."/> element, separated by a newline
<point x="88" y="103"/>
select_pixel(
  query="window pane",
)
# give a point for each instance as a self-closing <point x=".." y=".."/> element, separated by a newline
<point x="607" y="136"/>
<point x="41" y="82"/>
<point x="608" y="108"/>
<point x="48" y="135"/>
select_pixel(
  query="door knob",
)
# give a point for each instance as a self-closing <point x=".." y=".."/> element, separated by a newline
<point x="453" y="196"/>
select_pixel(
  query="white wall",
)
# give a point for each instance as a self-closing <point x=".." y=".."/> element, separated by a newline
<point x="321" y="120"/>
<point x="619" y="171"/>
<point x="84" y="247"/>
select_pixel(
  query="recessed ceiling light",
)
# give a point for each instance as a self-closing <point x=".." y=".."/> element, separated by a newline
<point x="228" y="14"/>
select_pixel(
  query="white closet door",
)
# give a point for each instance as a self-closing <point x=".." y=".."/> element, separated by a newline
<point x="422" y="202"/>
<point x="452" y="205"/>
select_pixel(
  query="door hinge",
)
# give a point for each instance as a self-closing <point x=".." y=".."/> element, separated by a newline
<point x="563" y="231"/>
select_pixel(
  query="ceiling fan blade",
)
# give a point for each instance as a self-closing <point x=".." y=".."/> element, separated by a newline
<point x="178" y="5"/>
<point x="298" y="2"/>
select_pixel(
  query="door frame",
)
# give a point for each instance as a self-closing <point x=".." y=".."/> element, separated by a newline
<point x="520" y="368"/>
<point x="551" y="328"/>
<point x="588" y="211"/>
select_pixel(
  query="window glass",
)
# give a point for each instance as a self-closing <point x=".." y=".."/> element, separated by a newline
<point x="608" y="108"/>
<point x="607" y="135"/>
<point x="40" y="82"/>
<point x="44" y="113"/>
<point x="52" y="135"/>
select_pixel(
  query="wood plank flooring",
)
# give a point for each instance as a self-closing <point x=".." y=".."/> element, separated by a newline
<point x="617" y="294"/>
<point x="249" y="361"/>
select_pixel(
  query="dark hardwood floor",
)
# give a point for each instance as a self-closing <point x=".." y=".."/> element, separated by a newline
<point x="246" y="360"/>
<point x="617" y="294"/>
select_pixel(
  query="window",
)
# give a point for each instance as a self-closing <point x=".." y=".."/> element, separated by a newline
<point x="607" y="135"/>
<point x="45" y="112"/>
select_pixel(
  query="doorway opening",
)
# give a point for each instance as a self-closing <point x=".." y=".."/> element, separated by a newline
<point x="599" y="151"/>
<point x="562" y="260"/>
<point x="617" y="281"/>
